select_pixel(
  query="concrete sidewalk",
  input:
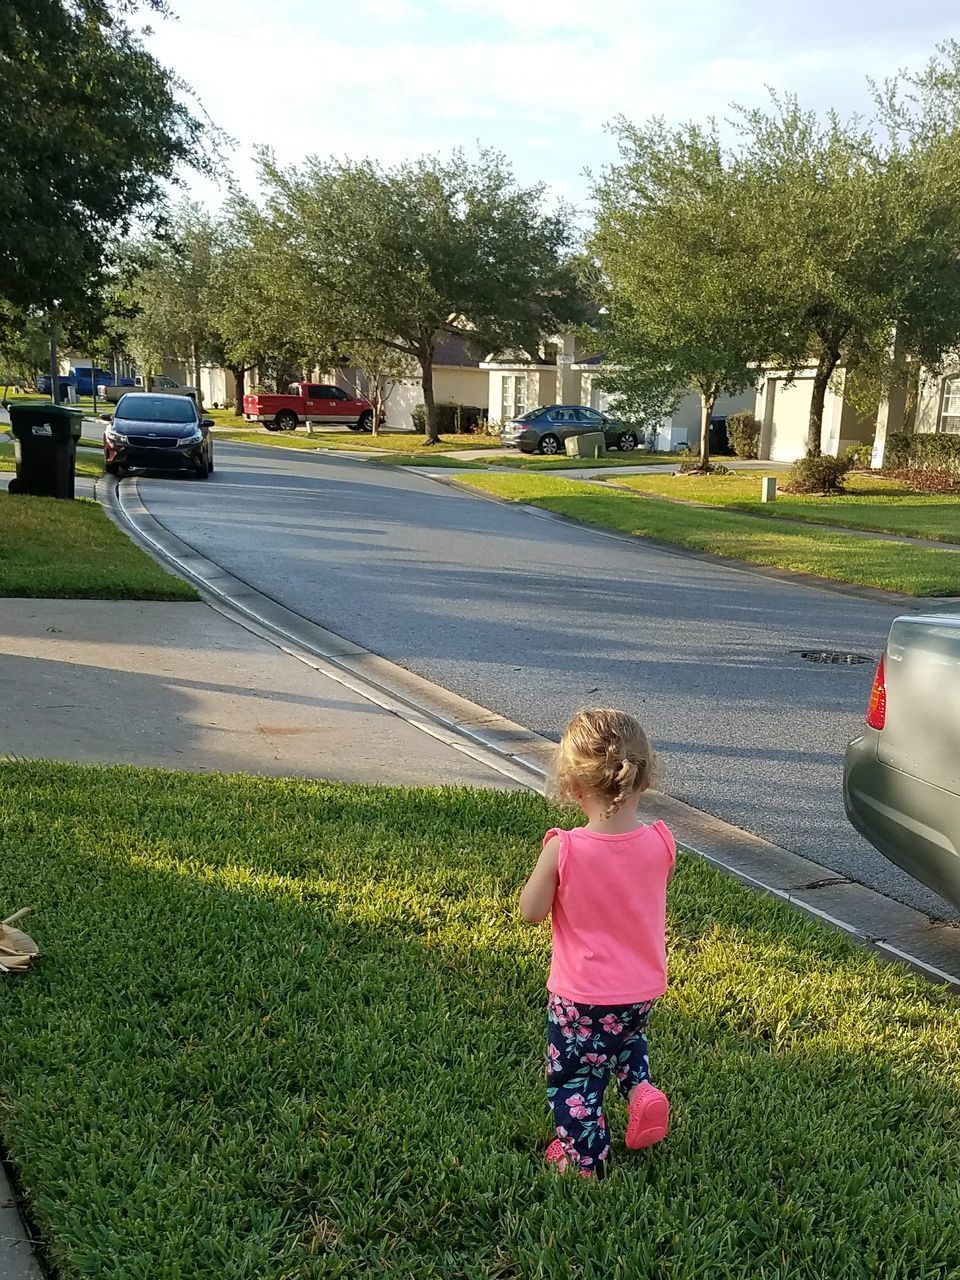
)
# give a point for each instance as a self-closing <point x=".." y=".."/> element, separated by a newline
<point x="180" y="686"/>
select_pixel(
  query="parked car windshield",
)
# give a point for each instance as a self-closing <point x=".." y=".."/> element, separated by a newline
<point x="529" y="415"/>
<point x="156" y="409"/>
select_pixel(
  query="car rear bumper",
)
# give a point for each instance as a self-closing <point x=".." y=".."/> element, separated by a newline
<point x="525" y="441"/>
<point x="912" y="823"/>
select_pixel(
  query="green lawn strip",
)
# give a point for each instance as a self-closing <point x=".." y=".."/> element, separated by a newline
<point x="894" y="566"/>
<point x="871" y="502"/>
<point x="537" y="462"/>
<point x="399" y="441"/>
<point x="294" y="1029"/>
<point x="429" y="460"/>
<point x="86" y="464"/>
<point x="71" y="549"/>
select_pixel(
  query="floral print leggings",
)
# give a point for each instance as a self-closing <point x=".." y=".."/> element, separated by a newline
<point x="585" y="1044"/>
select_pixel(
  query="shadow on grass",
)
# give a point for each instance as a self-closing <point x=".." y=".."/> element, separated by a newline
<point x="294" y="1030"/>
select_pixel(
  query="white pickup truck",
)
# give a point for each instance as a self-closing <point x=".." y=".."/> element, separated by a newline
<point x="162" y="386"/>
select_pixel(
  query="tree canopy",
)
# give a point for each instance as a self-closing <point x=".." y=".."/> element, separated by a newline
<point x="90" y="127"/>
<point x="676" y="244"/>
<point x="803" y="242"/>
<point x="397" y="256"/>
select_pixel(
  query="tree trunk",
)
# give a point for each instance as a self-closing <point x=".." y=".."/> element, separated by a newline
<point x="195" y="351"/>
<point x="240" y="378"/>
<point x="829" y="359"/>
<point x="708" y="399"/>
<point x="375" y="390"/>
<point x="426" y="382"/>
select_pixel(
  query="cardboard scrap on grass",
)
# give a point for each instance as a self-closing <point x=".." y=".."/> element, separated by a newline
<point x="17" y="949"/>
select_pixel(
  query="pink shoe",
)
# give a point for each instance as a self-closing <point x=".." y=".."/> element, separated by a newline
<point x="556" y="1156"/>
<point x="649" y="1117"/>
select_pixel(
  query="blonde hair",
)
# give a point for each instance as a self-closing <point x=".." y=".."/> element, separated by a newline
<point x="606" y="752"/>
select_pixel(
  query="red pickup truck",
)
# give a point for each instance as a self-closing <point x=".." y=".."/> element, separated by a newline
<point x="309" y="402"/>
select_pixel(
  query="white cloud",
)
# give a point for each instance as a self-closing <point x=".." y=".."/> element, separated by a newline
<point x="396" y="78"/>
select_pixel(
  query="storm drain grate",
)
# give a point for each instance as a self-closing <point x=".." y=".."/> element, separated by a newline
<point x="832" y="657"/>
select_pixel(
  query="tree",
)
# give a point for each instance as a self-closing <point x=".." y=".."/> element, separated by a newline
<point x="91" y="125"/>
<point x="396" y="256"/>
<point x="382" y="368"/>
<point x="675" y="242"/>
<point x="24" y="350"/>
<point x="862" y="230"/>
<point x="169" y="295"/>
<point x="255" y="305"/>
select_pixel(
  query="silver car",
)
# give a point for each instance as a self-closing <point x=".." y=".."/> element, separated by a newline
<point x="901" y="784"/>
<point x="546" y="429"/>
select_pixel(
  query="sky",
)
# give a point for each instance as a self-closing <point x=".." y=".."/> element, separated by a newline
<point x="538" y="81"/>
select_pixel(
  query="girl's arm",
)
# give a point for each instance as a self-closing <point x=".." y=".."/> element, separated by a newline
<point x="539" y="891"/>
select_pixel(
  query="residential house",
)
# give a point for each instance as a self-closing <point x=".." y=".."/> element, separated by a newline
<point x="563" y="372"/>
<point x="938" y="401"/>
<point x="783" y="411"/>
<point x="218" y="387"/>
<point x="457" y="379"/>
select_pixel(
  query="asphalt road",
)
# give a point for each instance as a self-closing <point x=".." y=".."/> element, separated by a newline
<point x="534" y="618"/>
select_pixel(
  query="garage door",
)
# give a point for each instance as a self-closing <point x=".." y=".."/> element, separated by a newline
<point x="791" y="417"/>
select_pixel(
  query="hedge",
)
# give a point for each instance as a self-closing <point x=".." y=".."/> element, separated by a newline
<point x="924" y="451"/>
<point x="452" y="419"/>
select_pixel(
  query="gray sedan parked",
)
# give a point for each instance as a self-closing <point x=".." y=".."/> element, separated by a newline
<point x="901" y="784"/>
<point x="544" y="430"/>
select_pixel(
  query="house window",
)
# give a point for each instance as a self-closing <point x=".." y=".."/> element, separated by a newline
<point x="514" y="401"/>
<point x="950" y="413"/>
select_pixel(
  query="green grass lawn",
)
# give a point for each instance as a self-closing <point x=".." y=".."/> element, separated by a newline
<point x="537" y="462"/>
<point x="871" y="502"/>
<point x="86" y="465"/>
<point x="435" y="460"/>
<point x="71" y="549"/>
<point x="398" y="441"/>
<point x="893" y="566"/>
<point x="286" y="1030"/>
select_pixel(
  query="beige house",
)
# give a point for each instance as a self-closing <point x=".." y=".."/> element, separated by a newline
<point x="783" y="411"/>
<point x="938" y="401"/>
<point x="457" y="379"/>
<point x="563" y="373"/>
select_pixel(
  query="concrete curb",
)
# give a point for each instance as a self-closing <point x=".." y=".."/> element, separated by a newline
<point x="17" y="1260"/>
<point x="896" y="931"/>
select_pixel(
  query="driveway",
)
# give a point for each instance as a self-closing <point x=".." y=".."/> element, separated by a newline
<point x="534" y="618"/>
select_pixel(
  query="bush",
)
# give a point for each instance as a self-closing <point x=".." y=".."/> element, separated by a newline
<point x="452" y="419"/>
<point x="860" y="456"/>
<point x="817" y="475"/>
<point x="925" y="451"/>
<point x="743" y="432"/>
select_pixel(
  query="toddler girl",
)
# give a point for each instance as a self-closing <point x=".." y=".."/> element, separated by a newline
<point x="605" y="885"/>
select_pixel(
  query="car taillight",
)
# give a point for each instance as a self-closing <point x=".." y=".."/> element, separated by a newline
<point x="877" y="706"/>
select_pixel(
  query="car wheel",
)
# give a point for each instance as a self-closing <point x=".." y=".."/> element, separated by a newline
<point x="112" y="468"/>
<point x="286" y="420"/>
<point x="549" y="445"/>
<point x="271" y="426"/>
<point x="627" y="442"/>
<point x="203" y="470"/>
<point x="364" y="422"/>
<point x="210" y="459"/>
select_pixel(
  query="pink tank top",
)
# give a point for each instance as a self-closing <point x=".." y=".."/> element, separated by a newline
<point x="609" y="915"/>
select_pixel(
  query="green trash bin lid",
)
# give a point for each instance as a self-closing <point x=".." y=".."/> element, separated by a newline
<point x="63" y="419"/>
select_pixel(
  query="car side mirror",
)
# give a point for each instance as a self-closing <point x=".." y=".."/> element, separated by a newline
<point x="206" y="422"/>
<point x="105" y="417"/>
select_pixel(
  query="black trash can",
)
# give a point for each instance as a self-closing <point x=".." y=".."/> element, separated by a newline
<point x="45" y="438"/>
